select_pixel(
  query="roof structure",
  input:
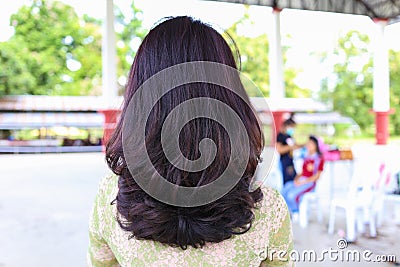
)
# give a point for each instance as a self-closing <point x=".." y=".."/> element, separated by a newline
<point x="95" y="103"/>
<point x="320" y="118"/>
<point x="39" y="103"/>
<point x="19" y="112"/>
<point x="262" y="104"/>
<point x="375" y="9"/>
<point x="36" y="120"/>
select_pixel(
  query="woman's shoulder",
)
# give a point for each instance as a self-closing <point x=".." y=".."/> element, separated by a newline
<point x="107" y="190"/>
<point x="271" y="228"/>
<point x="272" y="211"/>
<point x="107" y="182"/>
<point x="271" y="197"/>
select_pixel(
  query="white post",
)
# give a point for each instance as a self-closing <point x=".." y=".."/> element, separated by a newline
<point x="109" y="56"/>
<point x="381" y="102"/>
<point x="277" y="86"/>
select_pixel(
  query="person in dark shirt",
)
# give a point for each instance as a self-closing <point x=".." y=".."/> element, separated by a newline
<point x="285" y="145"/>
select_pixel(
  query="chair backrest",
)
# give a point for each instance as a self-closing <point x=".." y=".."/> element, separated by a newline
<point x="372" y="170"/>
<point x="384" y="178"/>
<point x="361" y="178"/>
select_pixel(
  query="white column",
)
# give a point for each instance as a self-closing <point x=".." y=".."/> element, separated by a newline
<point x="277" y="85"/>
<point x="109" y="56"/>
<point x="381" y="84"/>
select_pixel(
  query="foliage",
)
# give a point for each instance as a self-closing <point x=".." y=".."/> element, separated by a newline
<point x="130" y="34"/>
<point x="52" y="50"/>
<point x="350" y="88"/>
<point x="254" y="60"/>
<point x="351" y="93"/>
<point x="394" y="65"/>
<point x="15" y="76"/>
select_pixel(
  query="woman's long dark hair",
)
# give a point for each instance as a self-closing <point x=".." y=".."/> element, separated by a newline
<point x="173" y="41"/>
<point x="314" y="139"/>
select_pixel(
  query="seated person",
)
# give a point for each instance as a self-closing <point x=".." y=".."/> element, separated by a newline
<point x="133" y="226"/>
<point x="306" y="181"/>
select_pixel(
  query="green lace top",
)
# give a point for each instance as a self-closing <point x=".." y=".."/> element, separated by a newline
<point x="267" y="243"/>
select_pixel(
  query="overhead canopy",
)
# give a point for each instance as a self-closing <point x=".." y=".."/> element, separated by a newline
<point x="53" y="103"/>
<point x="32" y="120"/>
<point x="376" y="9"/>
<point x="324" y="118"/>
<point x="288" y="104"/>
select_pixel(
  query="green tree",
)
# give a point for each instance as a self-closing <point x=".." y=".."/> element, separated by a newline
<point x="55" y="52"/>
<point x="394" y="65"/>
<point x="351" y="93"/>
<point x="130" y="34"/>
<point x="15" y="76"/>
<point x="254" y="59"/>
<point x="350" y="88"/>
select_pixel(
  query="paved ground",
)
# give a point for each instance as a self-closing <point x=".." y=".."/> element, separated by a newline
<point x="44" y="205"/>
<point x="315" y="238"/>
<point x="45" y="201"/>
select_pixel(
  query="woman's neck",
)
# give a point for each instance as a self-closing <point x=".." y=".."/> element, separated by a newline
<point x="312" y="154"/>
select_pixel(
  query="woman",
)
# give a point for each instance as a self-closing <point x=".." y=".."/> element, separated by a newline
<point x="285" y="145"/>
<point x="129" y="227"/>
<point x="304" y="182"/>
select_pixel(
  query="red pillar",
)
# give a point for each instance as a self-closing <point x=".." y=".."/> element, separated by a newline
<point x="381" y="100"/>
<point x="278" y="120"/>
<point x="382" y="126"/>
<point x="110" y="121"/>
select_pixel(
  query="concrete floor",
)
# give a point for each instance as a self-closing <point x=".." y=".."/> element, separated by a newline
<point x="45" y="202"/>
<point x="315" y="238"/>
<point x="44" y="207"/>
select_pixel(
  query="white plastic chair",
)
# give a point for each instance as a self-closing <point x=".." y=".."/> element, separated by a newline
<point x="395" y="199"/>
<point x="307" y="201"/>
<point x="364" y="200"/>
<point x="392" y="198"/>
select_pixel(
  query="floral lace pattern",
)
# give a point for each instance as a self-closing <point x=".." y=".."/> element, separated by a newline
<point x="109" y="244"/>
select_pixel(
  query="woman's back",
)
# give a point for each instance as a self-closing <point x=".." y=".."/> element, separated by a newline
<point x="184" y="154"/>
<point x="110" y="245"/>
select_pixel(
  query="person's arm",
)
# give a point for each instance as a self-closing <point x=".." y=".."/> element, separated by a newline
<point x="282" y="146"/>
<point x="281" y="238"/>
<point x="283" y="149"/>
<point x="314" y="177"/>
<point x="298" y="146"/>
<point x="310" y="179"/>
<point x="99" y="253"/>
<point x="296" y="178"/>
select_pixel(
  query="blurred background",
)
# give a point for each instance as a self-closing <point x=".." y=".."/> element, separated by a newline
<point x="60" y="90"/>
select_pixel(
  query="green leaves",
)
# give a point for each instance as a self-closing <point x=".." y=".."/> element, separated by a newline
<point x="352" y="93"/>
<point x="14" y="69"/>
<point x="129" y="37"/>
<point x="394" y="65"/>
<point x="351" y="90"/>
<point x="52" y="52"/>
<point x="255" y="62"/>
